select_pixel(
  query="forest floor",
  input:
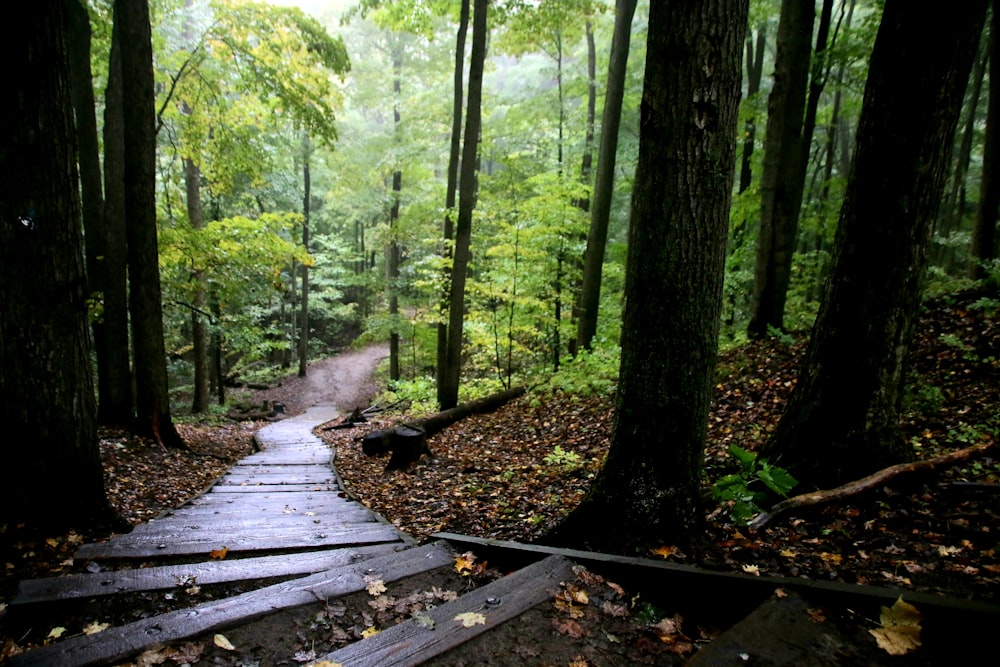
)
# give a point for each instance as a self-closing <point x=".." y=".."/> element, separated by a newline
<point x="498" y="476"/>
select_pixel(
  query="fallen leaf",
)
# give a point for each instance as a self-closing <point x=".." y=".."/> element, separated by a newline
<point x="569" y="627"/>
<point x="816" y="615"/>
<point x="375" y="586"/>
<point x="94" y="627"/>
<point x="577" y="595"/>
<point x="578" y="661"/>
<point x="325" y="663"/>
<point x="304" y="656"/>
<point x="471" y="618"/>
<point x="900" y="631"/>
<point x="464" y="563"/>
<point x="423" y="620"/>
<point x="218" y="554"/>
<point x="615" y="610"/>
<point x="752" y="569"/>
<point x="223" y="643"/>
<point x="56" y="633"/>
<point x="666" y="627"/>
<point x="369" y="632"/>
<point x="665" y="551"/>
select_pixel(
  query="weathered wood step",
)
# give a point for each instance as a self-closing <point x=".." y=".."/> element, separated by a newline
<point x="275" y="488"/>
<point x="89" y="585"/>
<point x="280" y="479"/>
<point x="119" y="547"/>
<point x="411" y="644"/>
<point x="118" y="643"/>
<point x="263" y="497"/>
<point x="244" y="513"/>
<point x="804" y="641"/>
<point x="187" y="526"/>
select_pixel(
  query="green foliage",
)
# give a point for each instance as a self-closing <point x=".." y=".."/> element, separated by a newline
<point x="741" y="491"/>
<point x="593" y="373"/>
<point x="567" y="461"/>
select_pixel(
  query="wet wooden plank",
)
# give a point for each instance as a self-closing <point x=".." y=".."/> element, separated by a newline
<point x="264" y="496"/>
<point x="275" y="488"/>
<point x="244" y="512"/>
<point x="89" y="585"/>
<point x="166" y="529"/>
<point x="411" y="644"/>
<point x="116" y="644"/>
<point x="143" y="548"/>
<point x="282" y="479"/>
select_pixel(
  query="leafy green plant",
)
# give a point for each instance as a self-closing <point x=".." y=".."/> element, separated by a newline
<point x="742" y="491"/>
<point x="565" y="460"/>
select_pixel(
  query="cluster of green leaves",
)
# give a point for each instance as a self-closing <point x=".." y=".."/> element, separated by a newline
<point x="744" y="492"/>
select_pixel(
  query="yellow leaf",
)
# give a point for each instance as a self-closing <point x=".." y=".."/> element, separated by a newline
<point x="95" y="627"/>
<point x="324" y="663"/>
<point x="579" y="661"/>
<point x="471" y="618"/>
<point x="369" y="632"/>
<point x="900" y="631"/>
<point x="223" y="643"/>
<point x="375" y="586"/>
<point x="56" y="633"/>
<point x="665" y="551"/>
<point x="463" y="563"/>
<point x="52" y="542"/>
<point x="833" y="559"/>
<point x="218" y="554"/>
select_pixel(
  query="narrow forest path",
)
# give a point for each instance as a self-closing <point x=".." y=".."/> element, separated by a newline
<point x="344" y="381"/>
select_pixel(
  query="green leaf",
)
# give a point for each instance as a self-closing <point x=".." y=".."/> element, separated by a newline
<point x="743" y="456"/>
<point x="777" y="479"/>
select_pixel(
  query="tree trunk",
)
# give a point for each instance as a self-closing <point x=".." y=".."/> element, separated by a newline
<point x="304" y="301"/>
<point x="984" y="231"/>
<point x="755" y="71"/>
<point x="448" y="393"/>
<point x="392" y="252"/>
<point x="784" y="171"/>
<point x="199" y="331"/>
<point x="116" y="408"/>
<point x="448" y="230"/>
<point x="54" y="475"/>
<point x="650" y="485"/>
<point x="600" y="212"/>
<point x="841" y="422"/>
<point x="152" y="397"/>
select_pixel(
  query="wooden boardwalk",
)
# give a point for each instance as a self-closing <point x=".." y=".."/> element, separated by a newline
<point x="282" y="514"/>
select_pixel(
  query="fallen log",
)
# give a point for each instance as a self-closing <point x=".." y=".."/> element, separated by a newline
<point x="874" y="480"/>
<point x="350" y="421"/>
<point x="408" y="441"/>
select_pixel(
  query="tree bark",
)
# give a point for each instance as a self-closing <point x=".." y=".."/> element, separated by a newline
<point x="841" y="422"/>
<point x="303" y="341"/>
<point x="54" y="476"/>
<point x="783" y="174"/>
<point x="600" y="212"/>
<point x="117" y="407"/>
<point x="649" y="487"/>
<point x="468" y="185"/>
<point x="448" y="230"/>
<point x="145" y="304"/>
<point x="755" y="71"/>
<point x="984" y="230"/>
<point x="392" y="251"/>
<point x="199" y="331"/>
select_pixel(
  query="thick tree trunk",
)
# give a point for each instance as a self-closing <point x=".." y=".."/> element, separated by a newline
<point x="600" y="211"/>
<point x="152" y="397"/>
<point x="53" y="468"/>
<point x="468" y="185"/>
<point x="448" y="230"/>
<point x="116" y="407"/>
<point x="984" y="231"/>
<point x="783" y="174"/>
<point x="649" y="487"/>
<point x="841" y="422"/>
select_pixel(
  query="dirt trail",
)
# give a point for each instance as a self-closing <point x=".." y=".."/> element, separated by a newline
<point x="344" y="381"/>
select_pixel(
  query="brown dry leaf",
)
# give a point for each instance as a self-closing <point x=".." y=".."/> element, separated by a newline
<point x="218" y="554"/>
<point x="577" y="595"/>
<point x="615" y="610"/>
<point x="780" y="593"/>
<point x="900" y="631"/>
<point x="816" y="615"/>
<point x="568" y="607"/>
<point x="223" y="643"/>
<point x="587" y="577"/>
<point x="579" y="661"/>
<point x="616" y="588"/>
<point x="668" y="627"/>
<point x="569" y="627"/>
<point x="832" y="559"/>
<point x="324" y="663"/>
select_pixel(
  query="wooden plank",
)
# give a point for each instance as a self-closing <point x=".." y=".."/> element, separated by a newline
<point x="260" y="525"/>
<point x="264" y="496"/>
<point x="275" y="488"/>
<point x="89" y="585"/>
<point x="243" y="512"/>
<point x="409" y="643"/>
<point x="363" y="534"/>
<point x="282" y="479"/>
<point x="116" y="644"/>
